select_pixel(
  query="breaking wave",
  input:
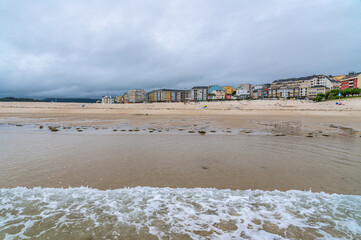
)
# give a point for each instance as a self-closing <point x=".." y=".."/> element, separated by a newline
<point x="167" y="213"/>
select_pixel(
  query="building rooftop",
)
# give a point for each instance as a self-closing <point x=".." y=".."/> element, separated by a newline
<point x="168" y="90"/>
<point x="215" y="88"/>
<point x="304" y="79"/>
<point x="295" y="79"/>
<point x="351" y="74"/>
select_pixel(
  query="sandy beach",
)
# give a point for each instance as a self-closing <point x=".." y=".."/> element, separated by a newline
<point x="238" y="145"/>
<point x="213" y="108"/>
<point x="298" y="118"/>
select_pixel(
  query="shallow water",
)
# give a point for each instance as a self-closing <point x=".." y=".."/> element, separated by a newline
<point x="106" y="161"/>
<point x="193" y="165"/>
<point x="84" y="213"/>
<point x="166" y="213"/>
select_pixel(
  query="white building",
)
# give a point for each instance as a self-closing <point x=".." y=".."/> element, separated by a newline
<point x="304" y="89"/>
<point x="322" y="80"/>
<point x="244" y="90"/>
<point x="199" y="93"/>
<point x="107" y="100"/>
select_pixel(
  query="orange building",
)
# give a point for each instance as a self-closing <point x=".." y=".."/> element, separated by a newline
<point x="229" y="89"/>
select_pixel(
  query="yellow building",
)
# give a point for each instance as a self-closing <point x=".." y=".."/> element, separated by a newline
<point x="313" y="91"/>
<point x="125" y="98"/>
<point x="255" y="94"/>
<point x="136" y="95"/>
<point x="118" y="99"/>
<point x="152" y="96"/>
<point x="229" y="89"/>
<point x="167" y="95"/>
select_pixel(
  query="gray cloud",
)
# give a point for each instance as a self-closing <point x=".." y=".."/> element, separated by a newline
<point x="92" y="48"/>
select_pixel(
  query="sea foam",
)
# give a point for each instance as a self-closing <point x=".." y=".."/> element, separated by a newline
<point x="167" y="213"/>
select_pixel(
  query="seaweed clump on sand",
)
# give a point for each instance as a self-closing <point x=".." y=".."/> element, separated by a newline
<point x="53" y="129"/>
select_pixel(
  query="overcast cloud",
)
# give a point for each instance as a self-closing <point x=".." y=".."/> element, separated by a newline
<point x="93" y="48"/>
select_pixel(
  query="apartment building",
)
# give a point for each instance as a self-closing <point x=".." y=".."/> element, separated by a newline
<point x="255" y="94"/>
<point x="216" y="92"/>
<point x="125" y="98"/>
<point x="261" y="86"/>
<point x="322" y="80"/>
<point x="107" y="100"/>
<point x="136" y="95"/>
<point x="261" y="90"/>
<point x="199" y="93"/>
<point x="313" y="91"/>
<point x="300" y="87"/>
<point x="244" y="90"/>
<point x="287" y="88"/>
<point x="229" y="89"/>
<point x="352" y="80"/>
<point x="304" y="89"/>
<point x="118" y="99"/>
<point x="216" y="95"/>
<point x="168" y="95"/>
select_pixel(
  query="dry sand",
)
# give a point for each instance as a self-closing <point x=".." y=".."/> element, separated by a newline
<point x="213" y="108"/>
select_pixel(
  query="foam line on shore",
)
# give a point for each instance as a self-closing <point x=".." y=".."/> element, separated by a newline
<point x="167" y="212"/>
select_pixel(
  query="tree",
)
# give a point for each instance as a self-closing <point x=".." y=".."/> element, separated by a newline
<point x="332" y="96"/>
<point x="327" y="94"/>
<point x="355" y="91"/>
<point x="317" y="99"/>
<point x="335" y="91"/>
<point x="322" y="95"/>
<point x="346" y="92"/>
<point x="234" y="93"/>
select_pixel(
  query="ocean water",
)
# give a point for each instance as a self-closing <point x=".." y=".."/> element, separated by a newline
<point x="56" y="160"/>
<point x="176" y="213"/>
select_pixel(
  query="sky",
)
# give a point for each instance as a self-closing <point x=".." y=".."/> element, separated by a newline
<point x="89" y="48"/>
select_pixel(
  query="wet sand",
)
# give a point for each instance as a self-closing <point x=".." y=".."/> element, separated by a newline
<point x="108" y="147"/>
<point x="111" y="161"/>
<point x="297" y="118"/>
